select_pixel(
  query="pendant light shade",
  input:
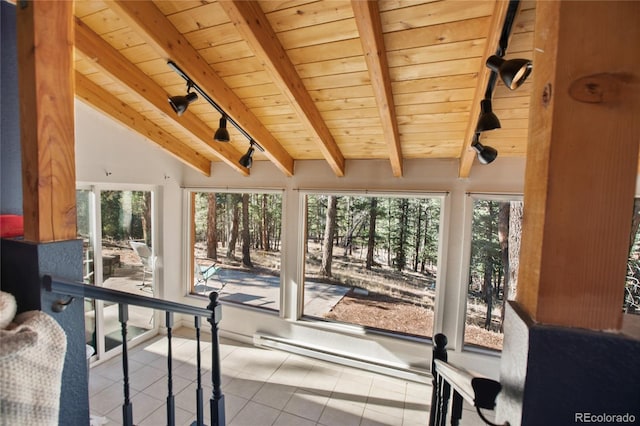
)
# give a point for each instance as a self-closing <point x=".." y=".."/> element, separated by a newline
<point x="488" y="120"/>
<point x="181" y="103"/>
<point x="222" y="134"/>
<point x="513" y="72"/>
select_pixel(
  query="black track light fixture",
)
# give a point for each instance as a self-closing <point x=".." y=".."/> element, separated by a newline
<point x="181" y="103"/>
<point x="513" y="72"/>
<point x="486" y="154"/>
<point x="247" y="159"/>
<point x="222" y="134"/>
<point x="487" y="120"/>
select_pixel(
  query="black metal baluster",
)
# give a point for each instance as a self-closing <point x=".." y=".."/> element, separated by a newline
<point x="127" y="408"/>
<point x="444" y="402"/>
<point x="439" y="352"/>
<point x="217" y="398"/>
<point x="456" y="409"/>
<point x="199" y="409"/>
<point x="171" y="412"/>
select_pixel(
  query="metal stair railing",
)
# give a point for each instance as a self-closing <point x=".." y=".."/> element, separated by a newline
<point x="213" y="313"/>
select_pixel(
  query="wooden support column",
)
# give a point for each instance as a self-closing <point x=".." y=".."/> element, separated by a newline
<point x="581" y="163"/>
<point x="46" y="87"/>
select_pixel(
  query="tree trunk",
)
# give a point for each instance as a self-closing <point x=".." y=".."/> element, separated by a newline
<point x="354" y="229"/>
<point x="515" y="231"/>
<point x="635" y="223"/>
<point x="488" y="266"/>
<point x="488" y="293"/>
<point x="513" y="256"/>
<point x="400" y="255"/>
<point x="425" y="240"/>
<point x="212" y="238"/>
<point x="418" y="240"/>
<point x="329" y="231"/>
<point x="233" y="237"/>
<point x="146" y="218"/>
<point x="265" y="223"/>
<point x="371" y="243"/>
<point x="503" y="239"/>
<point x="246" y="240"/>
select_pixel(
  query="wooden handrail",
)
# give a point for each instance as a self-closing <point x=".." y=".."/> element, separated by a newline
<point x="481" y="392"/>
<point x="460" y="380"/>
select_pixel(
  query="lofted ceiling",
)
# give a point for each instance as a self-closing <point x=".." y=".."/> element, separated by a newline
<point x="334" y="80"/>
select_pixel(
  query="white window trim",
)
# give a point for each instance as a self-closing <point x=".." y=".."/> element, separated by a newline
<point x="466" y="266"/>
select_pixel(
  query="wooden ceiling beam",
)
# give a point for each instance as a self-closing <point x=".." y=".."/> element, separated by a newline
<point x="253" y="25"/>
<point x="493" y="38"/>
<point x="109" y="60"/>
<point x="150" y="23"/>
<point x="97" y="97"/>
<point x="367" y="17"/>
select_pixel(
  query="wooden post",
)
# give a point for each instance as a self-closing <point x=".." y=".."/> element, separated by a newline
<point x="46" y="86"/>
<point x="582" y="163"/>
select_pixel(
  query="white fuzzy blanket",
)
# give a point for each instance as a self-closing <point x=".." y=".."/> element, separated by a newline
<point x="32" y="352"/>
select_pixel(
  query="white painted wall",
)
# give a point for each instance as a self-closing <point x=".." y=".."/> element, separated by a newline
<point x="104" y="146"/>
<point x="111" y="156"/>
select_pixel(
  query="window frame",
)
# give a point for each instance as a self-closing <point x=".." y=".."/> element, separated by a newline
<point x="188" y="232"/>
<point x="470" y="197"/>
<point x="351" y="328"/>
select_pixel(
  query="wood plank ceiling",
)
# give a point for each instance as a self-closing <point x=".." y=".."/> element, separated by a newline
<point x="334" y="80"/>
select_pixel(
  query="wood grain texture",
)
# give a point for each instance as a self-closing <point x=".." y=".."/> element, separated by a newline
<point x="46" y="84"/>
<point x="434" y="54"/>
<point x="147" y="19"/>
<point x="115" y="65"/>
<point x="581" y="164"/>
<point x="251" y="22"/>
<point x="367" y="18"/>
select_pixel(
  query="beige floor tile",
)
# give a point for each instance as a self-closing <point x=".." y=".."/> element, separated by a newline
<point x="274" y="395"/>
<point x="261" y="387"/>
<point x="287" y="419"/>
<point x="254" y="414"/>
<point x="306" y="404"/>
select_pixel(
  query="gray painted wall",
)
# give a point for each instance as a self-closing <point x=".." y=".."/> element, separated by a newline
<point x="11" y="163"/>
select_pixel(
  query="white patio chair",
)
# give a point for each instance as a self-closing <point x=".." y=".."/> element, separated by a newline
<point x="147" y="259"/>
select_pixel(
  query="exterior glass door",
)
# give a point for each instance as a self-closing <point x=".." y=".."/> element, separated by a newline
<point x="116" y="228"/>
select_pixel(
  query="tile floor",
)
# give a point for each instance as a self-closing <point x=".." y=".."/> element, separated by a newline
<point x="261" y="387"/>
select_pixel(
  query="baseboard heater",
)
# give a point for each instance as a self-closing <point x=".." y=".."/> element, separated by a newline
<point x="298" y="348"/>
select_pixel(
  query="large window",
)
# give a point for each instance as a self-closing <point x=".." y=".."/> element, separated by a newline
<point x="372" y="261"/>
<point x="493" y="269"/>
<point x="235" y="246"/>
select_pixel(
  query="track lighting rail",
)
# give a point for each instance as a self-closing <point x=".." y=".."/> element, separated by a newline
<point x="192" y="84"/>
<point x="513" y="73"/>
